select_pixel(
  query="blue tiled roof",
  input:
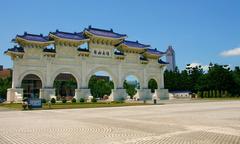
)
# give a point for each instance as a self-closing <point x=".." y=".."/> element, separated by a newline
<point x="162" y="62"/>
<point x="15" y="49"/>
<point x="135" y="44"/>
<point x="104" y="33"/>
<point x="34" y="37"/>
<point x="155" y="51"/>
<point x="67" y="35"/>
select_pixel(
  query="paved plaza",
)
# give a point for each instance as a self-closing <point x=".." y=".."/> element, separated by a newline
<point x="186" y="123"/>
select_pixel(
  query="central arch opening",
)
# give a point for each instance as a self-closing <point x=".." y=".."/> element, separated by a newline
<point x="101" y="85"/>
<point x="65" y="85"/>
<point x="31" y="85"/>
<point x="132" y="84"/>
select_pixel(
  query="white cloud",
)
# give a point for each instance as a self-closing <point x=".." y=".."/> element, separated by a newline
<point x="231" y="52"/>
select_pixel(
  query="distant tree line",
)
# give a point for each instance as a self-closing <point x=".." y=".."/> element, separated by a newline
<point x="219" y="81"/>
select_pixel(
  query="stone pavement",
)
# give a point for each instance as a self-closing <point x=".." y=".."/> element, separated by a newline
<point x="187" y="123"/>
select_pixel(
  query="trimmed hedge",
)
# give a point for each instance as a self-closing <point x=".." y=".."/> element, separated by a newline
<point x="64" y="100"/>
<point x="53" y="100"/>
<point x="74" y="100"/>
<point x="93" y="100"/>
<point x="82" y="100"/>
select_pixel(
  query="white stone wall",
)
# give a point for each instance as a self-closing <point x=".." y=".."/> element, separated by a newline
<point x="82" y="68"/>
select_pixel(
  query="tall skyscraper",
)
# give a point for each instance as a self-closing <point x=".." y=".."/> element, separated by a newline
<point x="170" y="58"/>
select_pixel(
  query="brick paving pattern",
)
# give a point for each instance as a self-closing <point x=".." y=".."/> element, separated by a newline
<point x="185" y="123"/>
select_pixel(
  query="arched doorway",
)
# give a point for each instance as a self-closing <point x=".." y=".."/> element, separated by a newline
<point x="65" y="85"/>
<point x="152" y="84"/>
<point x="101" y="85"/>
<point x="31" y="85"/>
<point x="132" y="84"/>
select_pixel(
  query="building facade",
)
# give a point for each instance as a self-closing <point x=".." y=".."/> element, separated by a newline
<point x="5" y="73"/>
<point x="40" y="59"/>
<point x="170" y="58"/>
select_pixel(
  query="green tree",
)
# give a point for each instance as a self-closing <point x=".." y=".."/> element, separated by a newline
<point x="130" y="89"/>
<point x="220" y="78"/>
<point x="4" y="85"/>
<point x="200" y="94"/>
<point x="152" y="84"/>
<point x="213" y="93"/>
<point x="71" y="85"/>
<point x="236" y="88"/>
<point x="226" y="93"/>
<point x="100" y="87"/>
<point x="218" y="94"/>
<point x="57" y="86"/>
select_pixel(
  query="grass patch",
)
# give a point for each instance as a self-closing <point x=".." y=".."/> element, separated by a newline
<point x="18" y="106"/>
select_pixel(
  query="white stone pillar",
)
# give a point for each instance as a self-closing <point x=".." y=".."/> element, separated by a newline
<point x="49" y="75"/>
<point x="145" y="82"/>
<point x="162" y="94"/>
<point x="84" y="81"/>
<point x="145" y="94"/>
<point x="15" y="76"/>
<point x="82" y="93"/>
<point x="161" y="85"/>
<point x="120" y="76"/>
<point x="47" y="93"/>
<point x="14" y="95"/>
<point x="118" y="94"/>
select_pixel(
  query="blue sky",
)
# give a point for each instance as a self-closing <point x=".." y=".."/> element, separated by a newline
<point x="201" y="31"/>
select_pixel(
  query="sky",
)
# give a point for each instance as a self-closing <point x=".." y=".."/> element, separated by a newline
<point x="200" y="31"/>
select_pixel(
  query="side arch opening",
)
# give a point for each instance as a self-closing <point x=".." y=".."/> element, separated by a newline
<point x="31" y="85"/>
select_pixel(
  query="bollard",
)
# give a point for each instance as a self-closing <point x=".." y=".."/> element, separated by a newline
<point x="49" y="104"/>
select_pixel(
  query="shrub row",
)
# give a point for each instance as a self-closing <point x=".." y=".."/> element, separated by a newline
<point x="82" y="100"/>
<point x="213" y="94"/>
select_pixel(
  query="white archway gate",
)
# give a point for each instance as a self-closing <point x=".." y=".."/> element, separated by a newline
<point x="106" y="51"/>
